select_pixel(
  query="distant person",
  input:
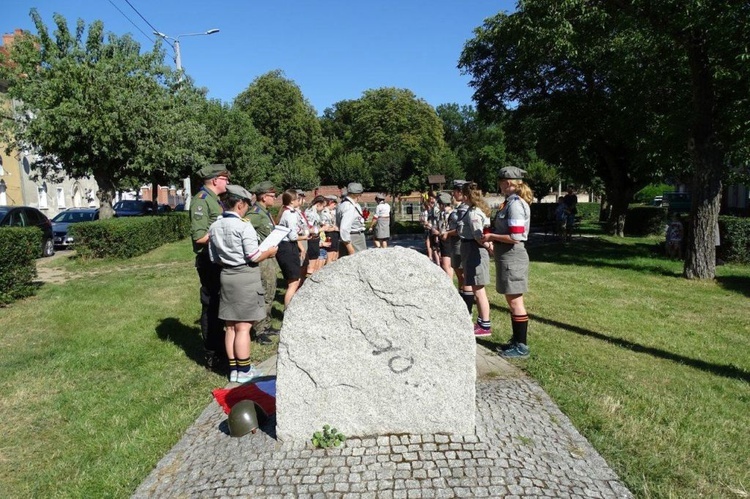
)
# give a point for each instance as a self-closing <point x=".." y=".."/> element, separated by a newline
<point x="475" y="257"/>
<point x="289" y="254"/>
<point x="381" y="222"/>
<point x="571" y="209"/>
<point x="457" y="215"/>
<point x="328" y="218"/>
<point x="510" y="231"/>
<point x="233" y="245"/>
<point x="260" y="216"/>
<point x="674" y="238"/>
<point x="561" y="217"/>
<point x="205" y="209"/>
<point x="428" y="219"/>
<point x="445" y="203"/>
<point x="313" y="215"/>
<point x="350" y="221"/>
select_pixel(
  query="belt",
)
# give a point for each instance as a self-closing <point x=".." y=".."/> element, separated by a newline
<point x="467" y="239"/>
<point x="248" y="264"/>
<point x="356" y="231"/>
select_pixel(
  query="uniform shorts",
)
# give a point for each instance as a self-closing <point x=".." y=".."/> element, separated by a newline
<point x="313" y="249"/>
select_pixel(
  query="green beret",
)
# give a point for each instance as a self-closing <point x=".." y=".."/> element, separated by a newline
<point x="263" y="188"/>
<point x="212" y="171"/>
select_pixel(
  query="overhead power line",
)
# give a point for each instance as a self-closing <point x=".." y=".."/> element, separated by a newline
<point x="131" y="21"/>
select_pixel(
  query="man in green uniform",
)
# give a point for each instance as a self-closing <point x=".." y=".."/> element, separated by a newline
<point x="259" y="216"/>
<point x="205" y="208"/>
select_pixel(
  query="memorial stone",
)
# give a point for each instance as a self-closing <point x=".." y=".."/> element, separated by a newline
<point x="376" y="343"/>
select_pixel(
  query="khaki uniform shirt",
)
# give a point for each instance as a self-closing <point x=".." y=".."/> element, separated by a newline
<point x="261" y="220"/>
<point x="205" y="208"/>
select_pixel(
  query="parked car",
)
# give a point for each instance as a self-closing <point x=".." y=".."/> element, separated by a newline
<point x="61" y="224"/>
<point x="133" y="208"/>
<point x="26" y="216"/>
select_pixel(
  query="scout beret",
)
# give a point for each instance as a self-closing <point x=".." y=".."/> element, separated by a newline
<point x="511" y="172"/>
<point x="380" y="196"/>
<point x="237" y="191"/>
<point x="300" y="192"/>
<point x="354" y="188"/>
<point x="458" y="184"/>
<point x="444" y="198"/>
<point x="263" y="188"/>
<point x="332" y="198"/>
<point x="212" y="171"/>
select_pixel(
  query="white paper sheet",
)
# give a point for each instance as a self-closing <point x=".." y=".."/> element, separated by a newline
<point x="274" y="238"/>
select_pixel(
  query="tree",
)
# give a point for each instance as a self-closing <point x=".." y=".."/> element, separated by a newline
<point x="96" y="108"/>
<point x="236" y="143"/>
<point x="541" y="177"/>
<point x="477" y="142"/>
<point x="284" y="117"/>
<point x="392" y="121"/>
<point x="577" y="72"/>
<point x="347" y="167"/>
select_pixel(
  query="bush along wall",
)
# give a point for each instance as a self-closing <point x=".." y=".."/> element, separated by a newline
<point x="735" y="239"/>
<point x="543" y="212"/>
<point x="129" y="237"/>
<point x="20" y="248"/>
<point x="645" y="220"/>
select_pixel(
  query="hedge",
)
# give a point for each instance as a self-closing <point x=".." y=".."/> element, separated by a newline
<point x="645" y="220"/>
<point x="20" y="248"/>
<point x="129" y="236"/>
<point x="735" y="239"/>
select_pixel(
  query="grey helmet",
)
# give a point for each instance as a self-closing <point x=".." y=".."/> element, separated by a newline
<point x="243" y="418"/>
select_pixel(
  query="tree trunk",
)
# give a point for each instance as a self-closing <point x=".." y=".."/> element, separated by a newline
<point x="106" y="195"/>
<point x="708" y="166"/>
<point x="619" y="187"/>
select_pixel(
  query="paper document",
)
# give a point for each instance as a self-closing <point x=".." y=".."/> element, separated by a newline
<point x="274" y="238"/>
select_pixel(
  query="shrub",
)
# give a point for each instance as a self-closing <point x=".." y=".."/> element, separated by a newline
<point x="407" y="227"/>
<point x="129" y="237"/>
<point x="645" y="220"/>
<point x="648" y="193"/>
<point x="735" y="239"/>
<point x="543" y="212"/>
<point x="19" y="247"/>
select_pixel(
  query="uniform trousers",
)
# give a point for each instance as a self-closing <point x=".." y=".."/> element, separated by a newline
<point x="268" y="275"/>
<point x="212" y="328"/>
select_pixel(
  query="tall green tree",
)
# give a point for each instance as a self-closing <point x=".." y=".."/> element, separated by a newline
<point x="236" y="143"/>
<point x="99" y="108"/>
<point x="284" y="117"/>
<point x="587" y="80"/>
<point x="385" y="120"/>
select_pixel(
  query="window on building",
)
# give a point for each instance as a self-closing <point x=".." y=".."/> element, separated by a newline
<point x="60" y="197"/>
<point x="43" y="196"/>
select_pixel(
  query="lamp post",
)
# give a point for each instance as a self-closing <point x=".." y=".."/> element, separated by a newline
<point x="176" y="44"/>
<point x="187" y="191"/>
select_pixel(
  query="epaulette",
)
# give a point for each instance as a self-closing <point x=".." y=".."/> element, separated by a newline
<point x="202" y="195"/>
<point x="255" y="209"/>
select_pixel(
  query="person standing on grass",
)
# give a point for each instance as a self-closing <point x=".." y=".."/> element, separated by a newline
<point x="328" y="217"/>
<point x="233" y="245"/>
<point x="260" y="216"/>
<point x="445" y="202"/>
<point x="289" y="252"/>
<point x="475" y="257"/>
<point x="570" y="200"/>
<point x="350" y="221"/>
<point x="458" y="214"/>
<point x="510" y="231"/>
<point x="381" y="222"/>
<point x="205" y="208"/>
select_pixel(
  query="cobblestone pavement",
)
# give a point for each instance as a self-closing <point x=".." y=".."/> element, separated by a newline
<point x="524" y="446"/>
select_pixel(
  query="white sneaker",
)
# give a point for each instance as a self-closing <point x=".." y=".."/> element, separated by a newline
<point x="233" y="376"/>
<point x="244" y="377"/>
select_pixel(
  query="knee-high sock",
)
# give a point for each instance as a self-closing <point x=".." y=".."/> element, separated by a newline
<point x="468" y="298"/>
<point x="520" y="324"/>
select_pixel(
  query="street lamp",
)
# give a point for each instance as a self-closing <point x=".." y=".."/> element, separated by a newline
<point x="176" y="44"/>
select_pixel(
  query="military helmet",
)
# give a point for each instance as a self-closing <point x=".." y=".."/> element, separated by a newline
<point x="242" y="418"/>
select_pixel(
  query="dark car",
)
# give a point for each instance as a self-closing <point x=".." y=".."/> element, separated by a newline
<point x="62" y="221"/>
<point x="26" y="216"/>
<point x="133" y="208"/>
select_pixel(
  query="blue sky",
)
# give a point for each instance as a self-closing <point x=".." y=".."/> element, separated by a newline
<point x="332" y="49"/>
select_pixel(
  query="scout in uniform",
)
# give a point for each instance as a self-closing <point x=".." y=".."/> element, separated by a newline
<point x="381" y="222"/>
<point x="260" y="218"/>
<point x="456" y="216"/>
<point x="350" y="221"/>
<point x="233" y="245"/>
<point x="205" y="208"/>
<point x="510" y="230"/>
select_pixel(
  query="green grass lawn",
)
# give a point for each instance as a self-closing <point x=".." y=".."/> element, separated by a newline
<point x="653" y="369"/>
<point x="101" y="375"/>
